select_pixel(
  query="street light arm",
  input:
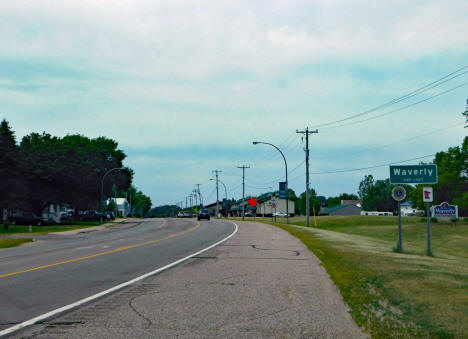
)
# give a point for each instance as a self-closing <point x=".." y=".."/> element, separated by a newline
<point x="284" y="158"/>
<point x="102" y="185"/>
<point x="286" y="166"/>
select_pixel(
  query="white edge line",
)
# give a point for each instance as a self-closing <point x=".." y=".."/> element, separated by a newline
<point x="110" y="290"/>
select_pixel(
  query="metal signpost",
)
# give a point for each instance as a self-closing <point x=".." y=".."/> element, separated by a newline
<point x="413" y="174"/>
<point x="428" y="197"/>
<point x="399" y="194"/>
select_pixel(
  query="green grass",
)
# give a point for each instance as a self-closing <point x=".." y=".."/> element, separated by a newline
<point x="7" y="243"/>
<point x="12" y="229"/>
<point x="392" y="294"/>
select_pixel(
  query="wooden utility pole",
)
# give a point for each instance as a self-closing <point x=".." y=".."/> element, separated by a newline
<point x="307" y="132"/>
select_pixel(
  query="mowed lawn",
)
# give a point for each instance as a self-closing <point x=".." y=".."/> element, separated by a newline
<point x="15" y="229"/>
<point x="393" y="294"/>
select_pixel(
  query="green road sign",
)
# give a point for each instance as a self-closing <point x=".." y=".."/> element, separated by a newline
<point x="413" y="174"/>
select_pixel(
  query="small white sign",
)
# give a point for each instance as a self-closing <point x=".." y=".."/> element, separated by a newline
<point x="428" y="195"/>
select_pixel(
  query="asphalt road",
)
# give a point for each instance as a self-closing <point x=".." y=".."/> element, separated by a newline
<point x="58" y="270"/>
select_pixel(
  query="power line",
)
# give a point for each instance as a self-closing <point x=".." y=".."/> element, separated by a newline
<point x="391" y="144"/>
<point x="420" y="90"/>
<point x="370" y="167"/>
<point x="401" y="108"/>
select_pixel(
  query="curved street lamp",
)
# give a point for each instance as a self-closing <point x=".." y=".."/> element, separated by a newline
<point x="225" y="192"/>
<point x="286" y="166"/>
<point x="102" y="186"/>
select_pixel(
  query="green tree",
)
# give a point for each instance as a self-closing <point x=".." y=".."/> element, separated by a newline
<point x="69" y="170"/>
<point x="452" y="186"/>
<point x="377" y="195"/>
<point x="335" y="201"/>
<point x="13" y="189"/>
<point x="314" y="202"/>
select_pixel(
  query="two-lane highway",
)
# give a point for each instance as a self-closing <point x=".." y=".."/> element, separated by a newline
<point x="64" y="269"/>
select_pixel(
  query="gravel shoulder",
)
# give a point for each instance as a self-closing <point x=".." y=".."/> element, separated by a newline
<point x="262" y="282"/>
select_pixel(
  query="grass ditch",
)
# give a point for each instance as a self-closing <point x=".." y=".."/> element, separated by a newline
<point x="15" y="229"/>
<point x="392" y="294"/>
<point x="8" y="243"/>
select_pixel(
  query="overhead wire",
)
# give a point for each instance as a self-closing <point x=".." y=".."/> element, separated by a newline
<point x="390" y="144"/>
<point x="399" y="109"/>
<point x="413" y="93"/>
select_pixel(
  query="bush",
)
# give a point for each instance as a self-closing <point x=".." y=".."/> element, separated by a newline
<point x="434" y="219"/>
<point x="465" y="219"/>
<point x="453" y="219"/>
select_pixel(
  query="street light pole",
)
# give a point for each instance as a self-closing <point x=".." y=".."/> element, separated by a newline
<point x="286" y="166"/>
<point x="102" y="187"/>
<point x="225" y="191"/>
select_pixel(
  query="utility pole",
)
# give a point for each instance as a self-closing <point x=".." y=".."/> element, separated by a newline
<point x="307" y="132"/>
<point x="243" y="189"/>
<point x="199" y="194"/>
<point x="216" y="172"/>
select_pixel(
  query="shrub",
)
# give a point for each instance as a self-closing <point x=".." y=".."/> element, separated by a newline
<point x="433" y="219"/>
<point x="453" y="219"/>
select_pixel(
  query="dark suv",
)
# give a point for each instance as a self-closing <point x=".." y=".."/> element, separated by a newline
<point x="27" y="218"/>
<point x="203" y="214"/>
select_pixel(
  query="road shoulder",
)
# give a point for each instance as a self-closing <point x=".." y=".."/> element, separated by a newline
<point x="262" y="282"/>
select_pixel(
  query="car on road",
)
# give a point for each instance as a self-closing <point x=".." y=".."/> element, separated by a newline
<point x="187" y="215"/>
<point x="203" y="214"/>
<point x="27" y="218"/>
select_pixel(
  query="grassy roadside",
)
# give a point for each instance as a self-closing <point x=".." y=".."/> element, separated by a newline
<point x="392" y="294"/>
<point x="15" y="229"/>
<point x="7" y="243"/>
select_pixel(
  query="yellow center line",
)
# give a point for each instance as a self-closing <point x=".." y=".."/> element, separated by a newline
<point x="104" y="253"/>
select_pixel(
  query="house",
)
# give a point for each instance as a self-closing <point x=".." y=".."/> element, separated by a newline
<point x="123" y="207"/>
<point x="343" y="209"/>
<point x="407" y="210"/>
<point x="268" y="206"/>
<point x="352" y="202"/>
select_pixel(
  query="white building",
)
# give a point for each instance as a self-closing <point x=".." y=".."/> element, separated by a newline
<point x="407" y="210"/>
<point x="123" y="207"/>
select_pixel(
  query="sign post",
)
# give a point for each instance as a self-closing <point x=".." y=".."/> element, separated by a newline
<point x="399" y="194"/>
<point x="428" y="197"/>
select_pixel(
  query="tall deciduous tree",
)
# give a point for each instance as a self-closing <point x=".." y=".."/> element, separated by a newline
<point x="452" y="186"/>
<point x="12" y="186"/>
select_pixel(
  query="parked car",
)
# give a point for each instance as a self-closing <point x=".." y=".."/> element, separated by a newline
<point x="279" y="214"/>
<point x="91" y="215"/>
<point x="248" y="214"/>
<point x="27" y="218"/>
<point x="203" y="214"/>
<point x="187" y="215"/>
<point x="180" y="214"/>
<point x="109" y="216"/>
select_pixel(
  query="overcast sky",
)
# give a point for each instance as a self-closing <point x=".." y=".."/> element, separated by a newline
<point x="186" y="86"/>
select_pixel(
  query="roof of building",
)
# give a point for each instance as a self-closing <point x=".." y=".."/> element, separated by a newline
<point x="407" y="203"/>
<point x="334" y="208"/>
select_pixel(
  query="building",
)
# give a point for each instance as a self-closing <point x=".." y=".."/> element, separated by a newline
<point x="212" y="208"/>
<point x="408" y="211"/>
<point x="268" y="206"/>
<point x="342" y="209"/>
<point x="352" y="202"/>
<point x="123" y="207"/>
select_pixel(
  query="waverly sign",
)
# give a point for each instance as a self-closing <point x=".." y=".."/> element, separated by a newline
<point x="413" y="174"/>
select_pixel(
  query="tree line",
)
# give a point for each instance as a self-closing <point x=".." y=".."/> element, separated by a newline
<point x="43" y="169"/>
